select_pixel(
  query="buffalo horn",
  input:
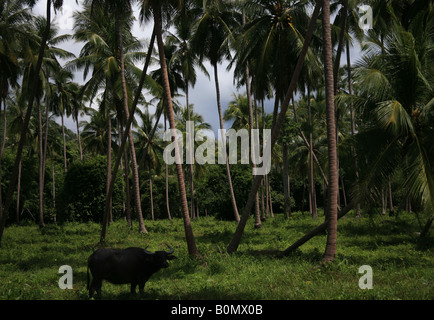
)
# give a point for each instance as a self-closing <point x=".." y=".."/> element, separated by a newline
<point x="170" y="249"/>
<point x="148" y="252"/>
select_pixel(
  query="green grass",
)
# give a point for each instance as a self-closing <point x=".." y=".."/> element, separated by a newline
<point x="402" y="264"/>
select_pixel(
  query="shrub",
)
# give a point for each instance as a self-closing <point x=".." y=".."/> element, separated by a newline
<point x="83" y="194"/>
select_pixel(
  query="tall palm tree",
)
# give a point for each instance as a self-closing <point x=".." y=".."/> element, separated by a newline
<point x="148" y="148"/>
<point x="186" y="60"/>
<point x="210" y="40"/>
<point x="184" y="115"/>
<point x="333" y="181"/>
<point x="78" y="108"/>
<point x="156" y="7"/>
<point x="14" y="176"/>
<point x="396" y="89"/>
<point x="233" y="245"/>
<point x="99" y="29"/>
<point x="122" y="13"/>
<point x="274" y="37"/>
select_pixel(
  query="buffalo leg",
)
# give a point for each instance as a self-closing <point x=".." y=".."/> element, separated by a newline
<point x="95" y="285"/>
<point x="133" y="287"/>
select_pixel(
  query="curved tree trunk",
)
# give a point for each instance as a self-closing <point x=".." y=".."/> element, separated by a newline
<point x="333" y="186"/>
<point x="191" y="242"/>
<point x="228" y="170"/>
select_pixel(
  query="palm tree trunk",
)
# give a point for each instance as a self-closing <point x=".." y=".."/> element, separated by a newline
<point x="31" y="98"/>
<point x="166" y="177"/>
<point x="54" y="188"/>
<point x="134" y="167"/>
<point x="258" y="223"/>
<point x="127" y="188"/>
<point x="389" y="192"/>
<point x="191" y="150"/>
<point x="18" y="194"/>
<point x="228" y="170"/>
<point x="286" y="206"/>
<point x="41" y="169"/>
<point x="312" y="192"/>
<point x="64" y="143"/>
<point x="233" y="245"/>
<point x="150" y="191"/>
<point x="333" y="186"/>
<point x="78" y="136"/>
<point x="191" y="242"/>
<point x="109" y="160"/>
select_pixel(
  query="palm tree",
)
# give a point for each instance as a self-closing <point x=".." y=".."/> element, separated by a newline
<point x="210" y="40"/>
<point x="78" y="108"/>
<point x="156" y="7"/>
<point x="14" y="176"/>
<point x="333" y="181"/>
<point x="240" y="110"/>
<point x="102" y="52"/>
<point x="186" y="60"/>
<point x="233" y="245"/>
<point x="122" y="14"/>
<point x="149" y="149"/>
<point x="184" y="115"/>
<point x="61" y="102"/>
<point x="395" y="83"/>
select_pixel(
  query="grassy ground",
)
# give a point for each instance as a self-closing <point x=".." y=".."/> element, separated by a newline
<point x="402" y="264"/>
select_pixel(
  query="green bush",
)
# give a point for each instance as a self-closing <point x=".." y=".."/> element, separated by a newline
<point x="212" y="191"/>
<point x="83" y="194"/>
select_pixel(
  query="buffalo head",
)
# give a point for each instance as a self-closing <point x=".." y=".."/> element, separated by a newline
<point x="160" y="257"/>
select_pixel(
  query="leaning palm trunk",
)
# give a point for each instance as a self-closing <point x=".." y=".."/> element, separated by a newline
<point x="31" y="98"/>
<point x="191" y="242"/>
<point x="233" y="245"/>
<point x="333" y="186"/>
<point x="223" y="137"/>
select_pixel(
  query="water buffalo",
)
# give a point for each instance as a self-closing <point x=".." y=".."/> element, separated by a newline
<point x="118" y="266"/>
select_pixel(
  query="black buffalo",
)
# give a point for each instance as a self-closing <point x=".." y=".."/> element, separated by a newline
<point x="118" y="266"/>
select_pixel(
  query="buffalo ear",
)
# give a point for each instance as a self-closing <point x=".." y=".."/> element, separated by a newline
<point x="171" y="257"/>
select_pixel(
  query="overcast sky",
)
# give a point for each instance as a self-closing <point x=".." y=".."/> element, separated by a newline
<point x="203" y="95"/>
